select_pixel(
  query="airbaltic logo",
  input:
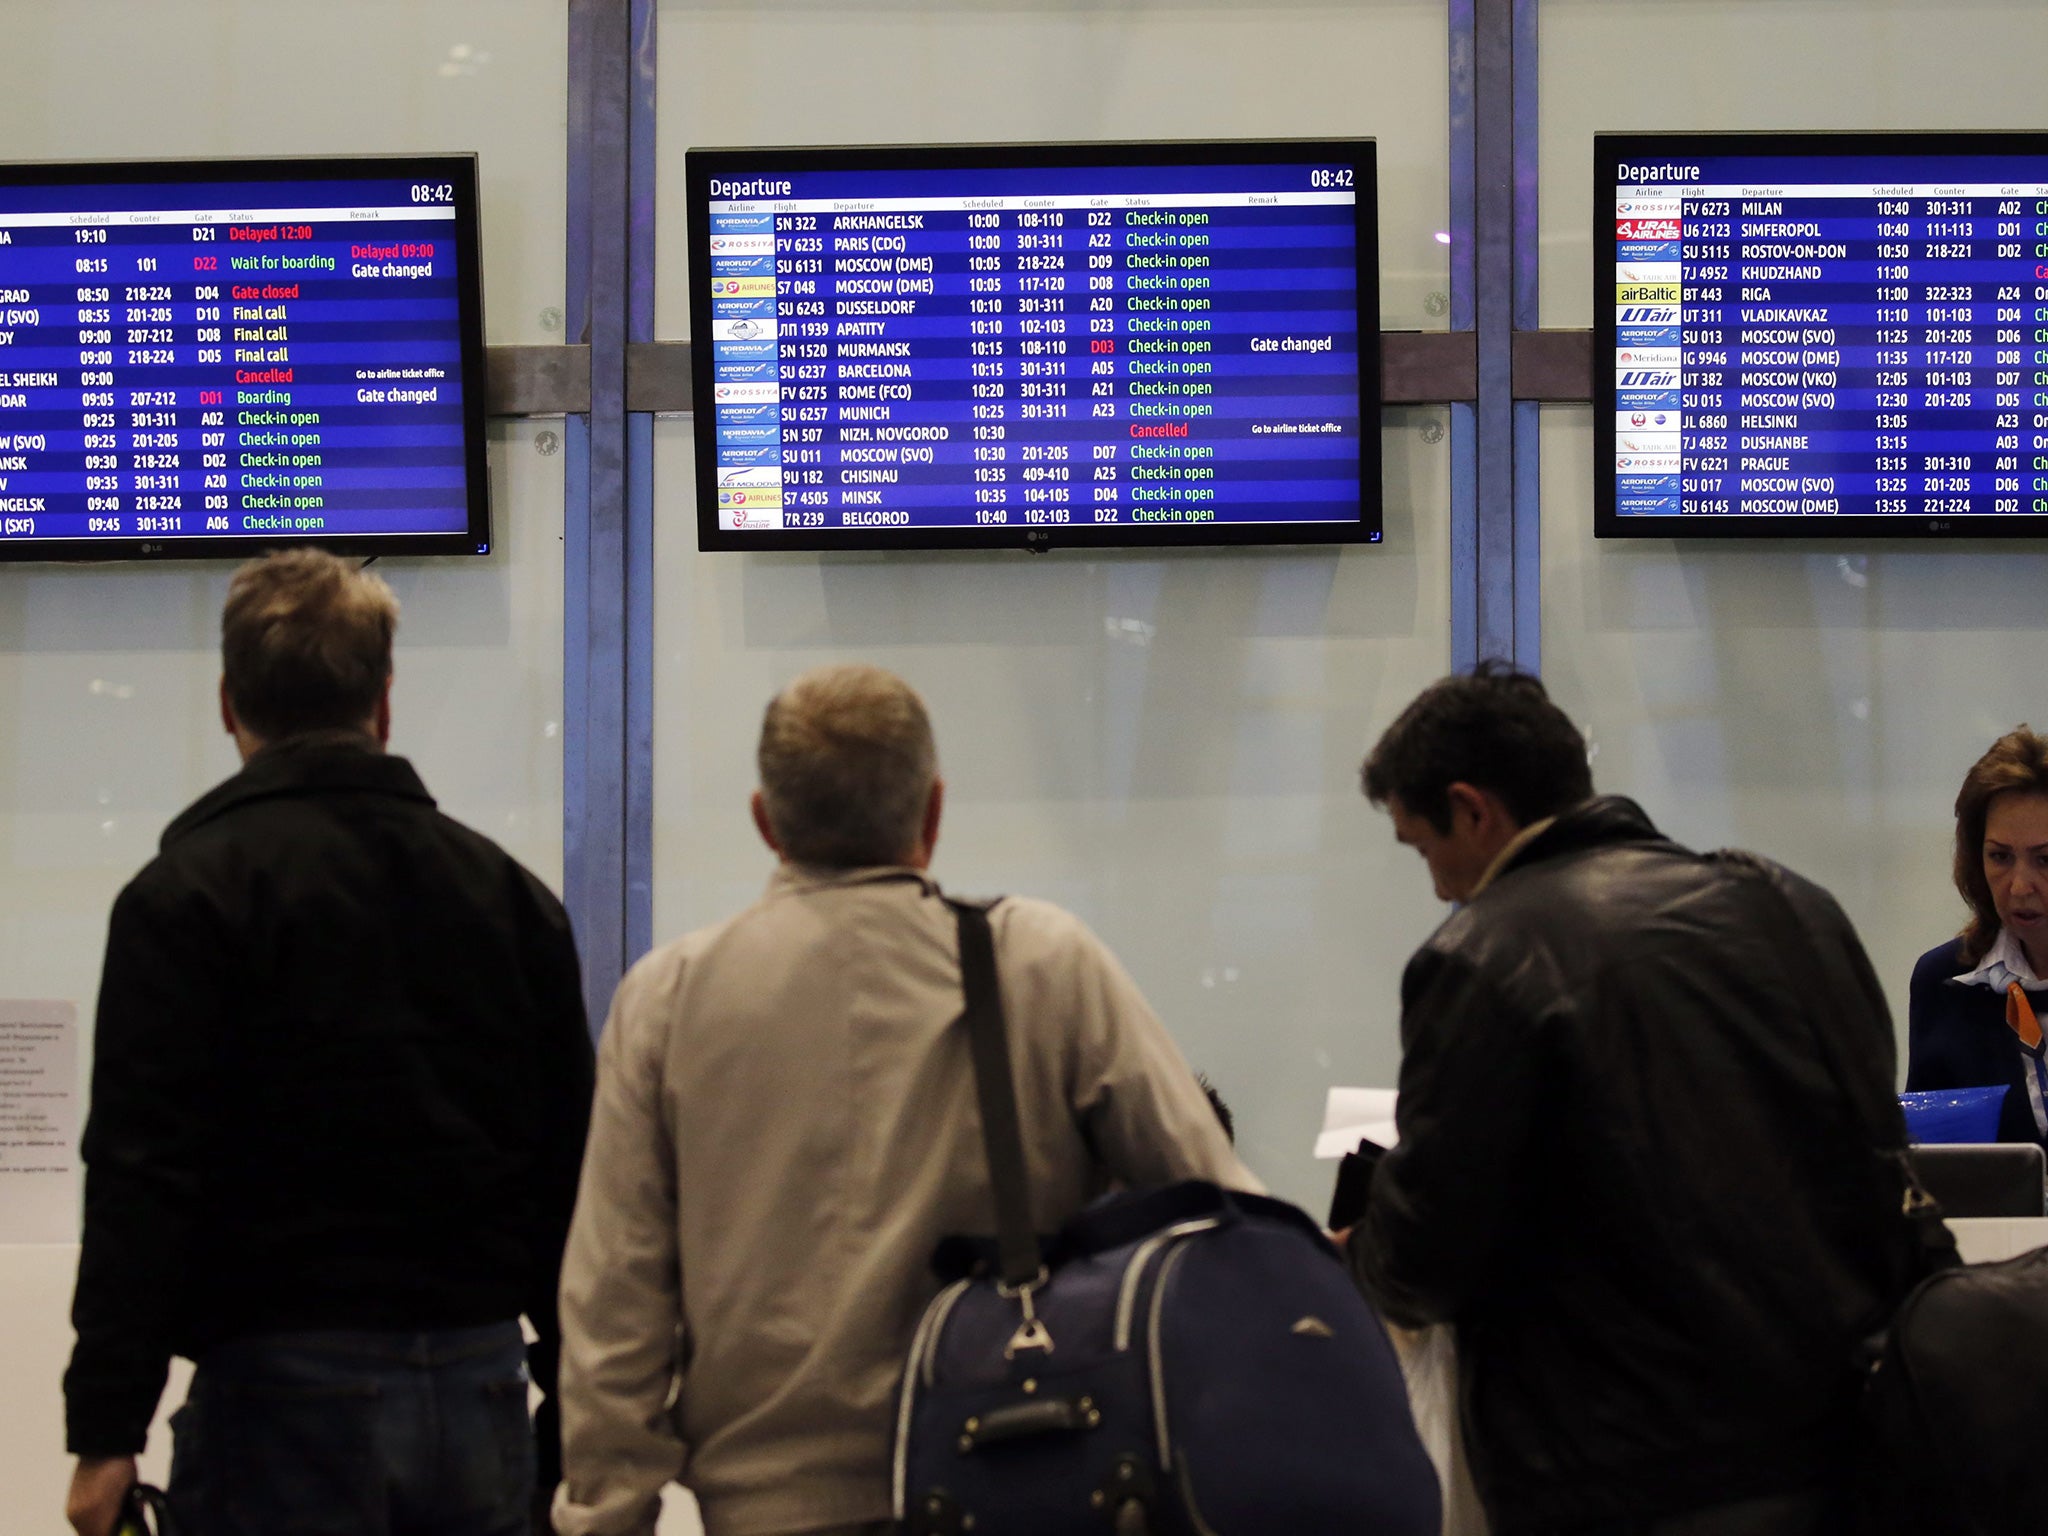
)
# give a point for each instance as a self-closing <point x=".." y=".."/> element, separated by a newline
<point x="1642" y="174"/>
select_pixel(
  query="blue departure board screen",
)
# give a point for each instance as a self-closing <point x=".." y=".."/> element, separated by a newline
<point x="1821" y="334"/>
<point x="214" y="358"/>
<point x="1035" y="346"/>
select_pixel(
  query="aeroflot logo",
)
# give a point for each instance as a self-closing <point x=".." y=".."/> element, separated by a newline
<point x="1648" y="378"/>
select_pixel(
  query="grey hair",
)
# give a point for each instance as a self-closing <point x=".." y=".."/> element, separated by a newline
<point x="847" y="764"/>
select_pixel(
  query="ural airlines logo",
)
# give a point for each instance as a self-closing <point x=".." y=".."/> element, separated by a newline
<point x="1646" y="229"/>
<point x="1648" y="314"/>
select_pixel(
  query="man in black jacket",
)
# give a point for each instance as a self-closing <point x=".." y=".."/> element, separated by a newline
<point x="340" y="1089"/>
<point x="1626" y="1172"/>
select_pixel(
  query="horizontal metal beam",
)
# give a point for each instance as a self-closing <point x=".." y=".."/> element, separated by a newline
<point x="1554" y="365"/>
<point x="536" y="381"/>
<point x="1422" y="367"/>
<point x="1415" y="368"/>
<point x="658" y="376"/>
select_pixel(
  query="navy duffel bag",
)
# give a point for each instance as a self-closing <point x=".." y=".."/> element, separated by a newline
<point x="1187" y="1361"/>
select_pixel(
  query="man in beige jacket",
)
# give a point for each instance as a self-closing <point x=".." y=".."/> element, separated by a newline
<point x="785" y="1127"/>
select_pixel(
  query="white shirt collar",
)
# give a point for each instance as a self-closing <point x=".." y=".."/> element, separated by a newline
<point x="2004" y="964"/>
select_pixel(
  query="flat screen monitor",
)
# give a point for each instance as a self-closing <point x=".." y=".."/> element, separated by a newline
<point x="1029" y="346"/>
<point x="1818" y="335"/>
<point x="225" y="356"/>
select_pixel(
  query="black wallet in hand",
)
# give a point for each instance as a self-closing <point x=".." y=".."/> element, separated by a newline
<point x="1354" y="1184"/>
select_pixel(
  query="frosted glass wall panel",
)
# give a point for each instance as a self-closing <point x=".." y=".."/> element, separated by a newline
<point x="108" y="719"/>
<point x="121" y="79"/>
<point x="1817" y="702"/>
<point x="1169" y="746"/>
<point x="993" y="71"/>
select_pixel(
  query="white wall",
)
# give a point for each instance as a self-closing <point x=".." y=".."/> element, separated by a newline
<point x="1168" y="745"/>
<point x="1818" y="702"/>
<point x="107" y="673"/>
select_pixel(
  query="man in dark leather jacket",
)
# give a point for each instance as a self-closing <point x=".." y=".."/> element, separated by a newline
<point x="1626" y="1172"/>
<point x="341" y="1083"/>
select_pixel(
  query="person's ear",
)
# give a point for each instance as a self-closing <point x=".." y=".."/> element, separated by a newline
<point x="380" y="722"/>
<point x="1467" y="807"/>
<point x="227" y="710"/>
<point x="762" y="825"/>
<point x="934" y="809"/>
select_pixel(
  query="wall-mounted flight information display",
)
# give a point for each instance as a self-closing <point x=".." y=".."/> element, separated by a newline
<point x="212" y="358"/>
<point x="1041" y="345"/>
<point x="1821" y="334"/>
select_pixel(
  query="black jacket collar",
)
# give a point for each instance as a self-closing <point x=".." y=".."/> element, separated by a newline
<point x="1595" y="823"/>
<point x="316" y="763"/>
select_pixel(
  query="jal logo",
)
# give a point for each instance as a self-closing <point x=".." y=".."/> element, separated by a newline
<point x="1638" y="420"/>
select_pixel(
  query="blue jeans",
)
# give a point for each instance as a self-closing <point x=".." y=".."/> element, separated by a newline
<point x="357" y="1434"/>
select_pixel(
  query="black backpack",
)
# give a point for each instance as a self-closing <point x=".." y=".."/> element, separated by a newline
<point x="1955" y="1386"/>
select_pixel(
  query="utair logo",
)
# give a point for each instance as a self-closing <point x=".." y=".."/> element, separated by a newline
<point x="1648" y="314"/>
<point x="1649" y="378"/>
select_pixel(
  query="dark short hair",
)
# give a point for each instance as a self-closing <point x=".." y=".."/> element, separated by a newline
<point x="305" y="643"/>
<point x="2016" y="763"/>
<point x="1496" y="730"/>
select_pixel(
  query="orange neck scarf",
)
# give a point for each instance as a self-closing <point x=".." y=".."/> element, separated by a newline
<point x="2019" y="1017"/>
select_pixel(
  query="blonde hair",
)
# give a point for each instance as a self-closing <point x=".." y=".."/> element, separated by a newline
<point x="847" y="764"/>
<point x="305" y="643"/>
<point x="2017" y="761"/>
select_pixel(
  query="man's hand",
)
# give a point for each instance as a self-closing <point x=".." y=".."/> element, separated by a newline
<point x="97" y="1488"/>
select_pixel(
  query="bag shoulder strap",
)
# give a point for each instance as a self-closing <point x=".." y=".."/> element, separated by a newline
<point x="995" y="1089"/>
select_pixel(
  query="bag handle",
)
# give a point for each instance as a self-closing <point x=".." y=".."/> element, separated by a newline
<point x="144" y="1512"/>
<point x="1885" y="1133"/>
<point x="995" y="1088"/>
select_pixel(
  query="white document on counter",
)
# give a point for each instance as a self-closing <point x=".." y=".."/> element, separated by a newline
<point x="38" y="1122"/>
<point x="1353" y="1115"/>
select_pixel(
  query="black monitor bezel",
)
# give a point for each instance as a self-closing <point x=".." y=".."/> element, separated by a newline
<point x="458" y="169"/>
<point x="1611" y="148"/>
<point x="700" y="165"/>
